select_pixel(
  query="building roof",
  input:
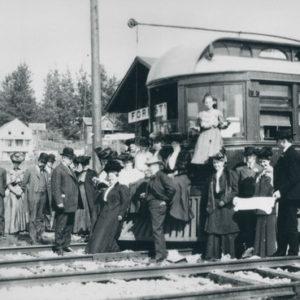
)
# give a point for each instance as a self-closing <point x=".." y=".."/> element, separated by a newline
<point x="188" y="58"/>
<point x="37" y="126"/>
<point x="15" y="129"/>
<point x="127" y="87"/>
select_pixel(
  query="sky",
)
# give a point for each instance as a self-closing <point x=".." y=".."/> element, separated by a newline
<point x="55" y="34"/>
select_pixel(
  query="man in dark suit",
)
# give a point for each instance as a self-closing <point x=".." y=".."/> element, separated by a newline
<point x="159" y="193"/>
<point x="287" y="191"/>
<point x="64" y="187"/>
<point x="35" y="186"/>
<point x="2" y="195"/>
<point x="246" y="174"/>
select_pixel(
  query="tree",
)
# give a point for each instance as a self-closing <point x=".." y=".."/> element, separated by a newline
<point x="17" y="98"/>
<point x="65" y="103"/>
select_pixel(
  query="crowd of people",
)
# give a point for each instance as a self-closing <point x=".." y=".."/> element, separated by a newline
<point x="73" y="198"/>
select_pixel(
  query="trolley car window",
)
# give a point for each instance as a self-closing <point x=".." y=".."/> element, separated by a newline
<point x="270" y="123"/>
<point x="275" y="109"/>
<point x="229" y="100"/>
<point x="272" y="53"/>
<point x="275" y="96"/>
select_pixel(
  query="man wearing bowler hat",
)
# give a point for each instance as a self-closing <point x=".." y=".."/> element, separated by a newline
<point x="35" y="186"/>
<point x="159" y="193"/>
<point x="287" y="191"/>
<point x="64" y="187"/>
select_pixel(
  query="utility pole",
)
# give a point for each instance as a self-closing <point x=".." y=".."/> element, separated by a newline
<point x="96" y="80"/>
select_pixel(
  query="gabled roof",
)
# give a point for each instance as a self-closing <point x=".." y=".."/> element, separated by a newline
<point x="186" y="59"/>
<point x="145" y="61"/>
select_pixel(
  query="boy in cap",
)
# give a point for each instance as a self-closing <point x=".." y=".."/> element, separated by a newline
<point x="64" y="187"/>
<point x="159" y="192"/>
<point x="35" y="186"/>
<point x="287" y="191"/>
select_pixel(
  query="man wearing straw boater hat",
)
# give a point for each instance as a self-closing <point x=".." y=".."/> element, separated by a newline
<point x="159" y="193"/>
<point x="64" y="187"/>
<point x="287" y="191"/>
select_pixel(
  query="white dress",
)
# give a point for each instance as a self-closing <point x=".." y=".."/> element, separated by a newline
<point x="210" y="141"/>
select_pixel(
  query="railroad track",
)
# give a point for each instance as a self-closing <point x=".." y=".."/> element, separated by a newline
<point x="100" y="257"/>
<point x="34" y="249"/>
<point x="220" y="272"/>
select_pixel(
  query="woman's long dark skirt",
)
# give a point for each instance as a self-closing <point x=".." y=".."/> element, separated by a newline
<point x="218" y="244"/>
<point x="106" y="232"/>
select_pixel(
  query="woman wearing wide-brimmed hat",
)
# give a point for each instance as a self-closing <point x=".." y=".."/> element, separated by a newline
<point x="114" y="203"/>
<point x="220" y="225"/>
<point x="16" y="212"/>
<point x="85" y="217"/>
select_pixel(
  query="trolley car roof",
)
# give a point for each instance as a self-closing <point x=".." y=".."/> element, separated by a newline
<point x="189" y="59"/>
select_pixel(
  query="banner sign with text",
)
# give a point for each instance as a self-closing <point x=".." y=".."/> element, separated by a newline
<point x="161" y="110"/>
<point x="138" y="115"/>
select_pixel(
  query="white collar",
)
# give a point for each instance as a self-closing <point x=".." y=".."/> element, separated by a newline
<point x="286" y="148"/>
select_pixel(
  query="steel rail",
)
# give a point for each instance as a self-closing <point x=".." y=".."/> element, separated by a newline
<point x="147" y="272"/>
<point x="240" y="292"/>
<point x="34" y="249"/>
<point x="104" y="257"/>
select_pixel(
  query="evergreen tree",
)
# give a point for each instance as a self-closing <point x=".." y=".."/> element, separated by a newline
<point x="17" y="98"/>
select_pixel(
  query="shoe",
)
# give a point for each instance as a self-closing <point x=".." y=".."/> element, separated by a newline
<point x="248" y="253"/>
<point x="60" y="252"/>
<point x="67" y="249"/>
<point x="160" y="260"/>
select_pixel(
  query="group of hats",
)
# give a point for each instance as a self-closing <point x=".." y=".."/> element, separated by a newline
<point x="44" y="157"/>
<point x="263" y="153"/>
<point x="19" y="157"/>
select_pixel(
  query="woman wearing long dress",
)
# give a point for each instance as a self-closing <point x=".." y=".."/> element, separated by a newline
<point x="16" y="210"/>
<point x="210" y="141"/>
<point x="265" y="235"/>
<point x="83" y="218"/>
<point x="220" y="225"/>
<point x="177" y="167"/>
<point x="115" y="200"/>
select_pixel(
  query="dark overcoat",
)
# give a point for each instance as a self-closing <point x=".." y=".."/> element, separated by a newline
<point x="180" y="206"/>
<point x="246" y="180"/>
<point x="90" y="190"/>
<point x="3" y="177"/>
<point x="64" y="187"/>
<point x="220" y="220"/>
<point x="287" y="175"/>
<point x="107" y="228"/>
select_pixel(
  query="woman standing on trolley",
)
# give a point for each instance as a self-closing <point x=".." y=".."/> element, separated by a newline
<point x="210" y="141"/>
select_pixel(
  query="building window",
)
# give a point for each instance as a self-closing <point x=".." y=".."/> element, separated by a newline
<point x="9" y="132"/>
<point x="9" y="143"/>
<point x="19" y="143"/>
<point x="229" y="99"/>
<point x="272" y="53"/>
<point x="22" y="132"/>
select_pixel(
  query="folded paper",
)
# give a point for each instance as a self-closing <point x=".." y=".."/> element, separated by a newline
<point x="265" y="204"/>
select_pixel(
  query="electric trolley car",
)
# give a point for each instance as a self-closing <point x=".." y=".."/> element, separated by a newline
<point x="257" y="86"/>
